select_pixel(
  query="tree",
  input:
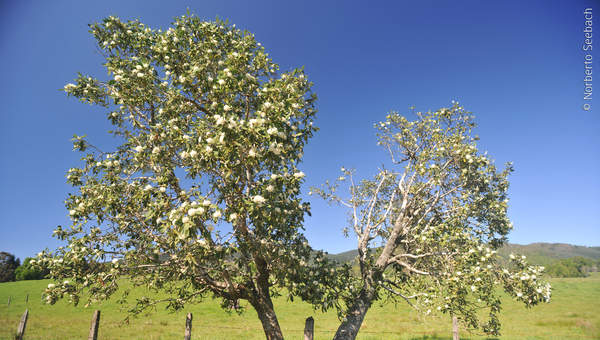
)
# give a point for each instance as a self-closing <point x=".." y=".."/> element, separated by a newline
<point x="8" y="264"/>
<point x="572" y="267"/>
<point x="29" y="271"/>
<point x="428" y="226"/>
<point x="202" y="195"/>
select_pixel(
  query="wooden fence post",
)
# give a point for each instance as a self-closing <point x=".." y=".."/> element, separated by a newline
<point x="22" y="325"/>
<point x="95" y="325"/>
<point x="8" y="304"/>
<point x="309" y="328"/>
<point x="27" y="298"/>
<point x="454" y="328"/>
<point x="188" y="327"/>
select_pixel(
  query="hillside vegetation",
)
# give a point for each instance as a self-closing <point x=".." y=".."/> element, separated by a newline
<point x="546" y="253"/>
<point x="542" y="254"/>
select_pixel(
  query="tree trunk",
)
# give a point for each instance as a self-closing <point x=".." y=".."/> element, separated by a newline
<point x="262" y="303"/>
<point x="454" y="328"/>
<point x="355" y="316"/>
<point x="266" y="314"/>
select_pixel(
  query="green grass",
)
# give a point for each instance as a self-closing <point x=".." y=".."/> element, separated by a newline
<point x="572" y="314"/>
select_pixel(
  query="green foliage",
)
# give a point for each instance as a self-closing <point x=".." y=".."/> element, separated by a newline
<point x="202" y="195"/>
<point x="429" y="224"/>
<point x="573" y="267"/>
<point x="29" y="271"/>
<point x="8" y="265"/>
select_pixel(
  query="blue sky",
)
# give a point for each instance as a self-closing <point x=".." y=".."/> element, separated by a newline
<point x="517" y="65"/>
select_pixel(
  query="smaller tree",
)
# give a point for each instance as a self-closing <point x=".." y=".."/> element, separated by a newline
<point x="30" y="271"/>
<point x="8" y="264"/>
<point x="572" y="267"/>
<point x="429" y="225"/>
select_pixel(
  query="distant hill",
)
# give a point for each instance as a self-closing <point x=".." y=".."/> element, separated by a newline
<point x="537" y="253"/>
<point x="546" y="253"/>
<point x="344" y="257"/>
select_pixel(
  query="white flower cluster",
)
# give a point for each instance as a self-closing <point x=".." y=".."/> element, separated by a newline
<point x="258" y="199"/>
<point x="299" y="174"/>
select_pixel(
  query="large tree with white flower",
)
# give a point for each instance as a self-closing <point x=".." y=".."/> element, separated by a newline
<point x="201" y="197"/>
<point x="429" y="223"/>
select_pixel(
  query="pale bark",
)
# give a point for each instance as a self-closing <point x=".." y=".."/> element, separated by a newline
<point x="354" y="317"/>
<point x="455" y="328"/>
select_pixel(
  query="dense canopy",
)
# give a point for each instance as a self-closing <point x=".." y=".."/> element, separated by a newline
<point x="202" y="193"/>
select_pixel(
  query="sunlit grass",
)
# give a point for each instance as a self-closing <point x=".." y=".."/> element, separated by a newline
<point x="572" y="314"/>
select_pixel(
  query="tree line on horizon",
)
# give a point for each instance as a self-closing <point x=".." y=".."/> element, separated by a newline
<point x="11" y="269"/>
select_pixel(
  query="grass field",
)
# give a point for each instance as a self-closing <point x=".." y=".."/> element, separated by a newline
<point x="572" y="314"/>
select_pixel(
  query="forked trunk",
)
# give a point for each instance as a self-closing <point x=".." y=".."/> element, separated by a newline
<point x="266" y="314"/>
<point x="354" y="317"/>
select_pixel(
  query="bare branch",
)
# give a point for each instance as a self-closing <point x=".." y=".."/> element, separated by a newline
<point x="408" y="266"/>
<point x="354" y="207"/>
<point x="412" y="256"/>
<point x="372" y="203"/>
<point x="406" y="298"/>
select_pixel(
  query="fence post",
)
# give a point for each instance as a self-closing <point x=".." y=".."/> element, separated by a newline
<point x="309" y="328"/>
<point x="454" y="328"/>
<point x="188" y="327"/>
<point x="27" y="298"/>
<point x="8" y="304"/>
<point x="95" y="325"/>
<point x="22" y="325"/>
